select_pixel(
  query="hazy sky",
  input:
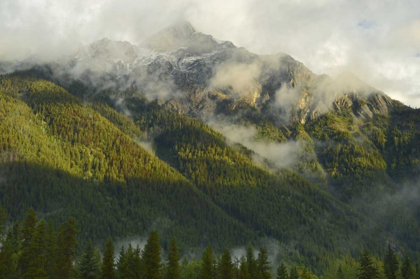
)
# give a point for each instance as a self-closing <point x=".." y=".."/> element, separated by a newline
<point x="378" y="40"/>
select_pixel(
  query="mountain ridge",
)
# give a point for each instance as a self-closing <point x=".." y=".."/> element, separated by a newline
<point x="259" y="146"/>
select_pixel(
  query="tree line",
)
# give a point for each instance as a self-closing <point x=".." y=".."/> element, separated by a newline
<point x="36" y="249"/>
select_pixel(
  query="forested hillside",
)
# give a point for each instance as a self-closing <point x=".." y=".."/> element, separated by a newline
<point x="200" y="140"/>
<point x="65" y="156"/>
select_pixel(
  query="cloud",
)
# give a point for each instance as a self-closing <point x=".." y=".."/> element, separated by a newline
<point x="377" y="40"/>
<point x="241" y="77"/>
<point x="283" y="155"/>
<point x="147" y="145"/>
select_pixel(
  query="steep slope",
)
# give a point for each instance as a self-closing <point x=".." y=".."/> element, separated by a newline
<point x="64" y="159"/>
<point x="353" y="149"/>
<point x="283" y="206"/>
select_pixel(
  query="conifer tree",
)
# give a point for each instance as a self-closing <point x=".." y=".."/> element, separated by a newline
<point x="130" y="263"/>
<point x="38" y="253"/>
<point x="407" y="268"/>
<point x="390" y="264"/>
<point x="66" y="240"/>
<point x="51" y="250"/>
<point x="108" y="269"/>
<point x="88" y="266"/>
<point x="282" y="272"/>
<point x="28" y="229"/>
<point x="152" y="257"/>
<point x="207" y="265"/>
<point x="226" y="266"/>
<point x="340" y="273"/>
<point x="263" y="264"/>
<point x="243" y="269"/>
<point x="138" y="264"/>
<point x="252" y="263"/>
<point x="367" y="270"/>
<point x="173" y="260"/>
<point x="122" y="263"/>
<point x="3" y="218"/>
<point x="294" y="273"/>
<point x="10" y="247"/>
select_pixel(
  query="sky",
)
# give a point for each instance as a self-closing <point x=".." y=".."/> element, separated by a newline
<point x="377" y="40"/>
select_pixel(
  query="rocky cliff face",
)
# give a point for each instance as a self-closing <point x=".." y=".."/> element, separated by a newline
<point x="195" y="74"/>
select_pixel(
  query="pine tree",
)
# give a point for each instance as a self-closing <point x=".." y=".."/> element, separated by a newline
<point x="51" y="250"/>
<point x="263" y="264"/>
<point x="407" y="268"/>
<point x="390" y="264"/>
<point x="152" y="257"/>
<point x="340" y="273"/>
<point x="138" y="263"/>
<point x="122" y="264"/>
<point x="282" y="272"/>
<point x="3" y="218"/>
<point x="66" y="240"/>
<point x="28" y="229"/>
<point x="243" y="269"/>
<point x="367" y="270"/>
<point x="173" y="260"/>
<point x="294" y="273"/>
<point x="252" y="263"/>
<point x="207" y="266"/>
<point x="38" y="253"/>
<point x="130" y="263"/>
<point x="306" y="274"/>
<point x="108" y="269"/>
<point x="226" y="266"/>
<point x="8" y="251"/>
<point x="88" y="266"/>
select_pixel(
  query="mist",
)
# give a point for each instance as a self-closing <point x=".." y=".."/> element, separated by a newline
<point x="283" y="155"/>
<point x="240" y="77"/>
<point x="376" y="40"/>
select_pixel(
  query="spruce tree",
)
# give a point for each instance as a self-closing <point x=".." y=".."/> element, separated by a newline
<point x="226" y="266"/>
<point x="138" y="263"/>
<point x="66" y="239"/>
<point x="122" y="263"/>
<point x="407" y="269"/>
<point x="252" y="263"/>
<point x="173" y="260"/>
<point x="9" y="250"/>
<point x="88" y="266"/>
<point x="282" y="272"/>
<point x="243" y="269"/>
<point x="294" y="273"/>
<point x="390" y="264"/>
<point x="52" y="249"/>
<point x="38" y="253"/>
<point x="263" y="264"/>
<point x="152" y="257"/>
<point x="367" y="270"/>
<point x="340" y="273"/>
<point x="207" y="264"/>
<point x="130" y="263"/>
<point x="3" y="218"/>
<point x="108" y="269"/>
<point x="28" y="229"/>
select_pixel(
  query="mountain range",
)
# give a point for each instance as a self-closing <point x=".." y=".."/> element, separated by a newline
<point x="208" y="142"/>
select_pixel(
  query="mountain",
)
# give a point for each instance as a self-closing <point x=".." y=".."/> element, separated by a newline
<point x="205" y="141"/>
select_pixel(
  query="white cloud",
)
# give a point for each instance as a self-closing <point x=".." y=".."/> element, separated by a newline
<point x="378" y="40"/>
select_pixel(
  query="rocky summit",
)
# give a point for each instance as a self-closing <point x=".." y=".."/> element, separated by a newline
<point x="195" y="74"/>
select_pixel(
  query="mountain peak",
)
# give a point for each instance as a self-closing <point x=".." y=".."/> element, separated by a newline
<point x="170" y="38"/>
<point x="181" y="29"/>
<point x="183" y="35"/>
